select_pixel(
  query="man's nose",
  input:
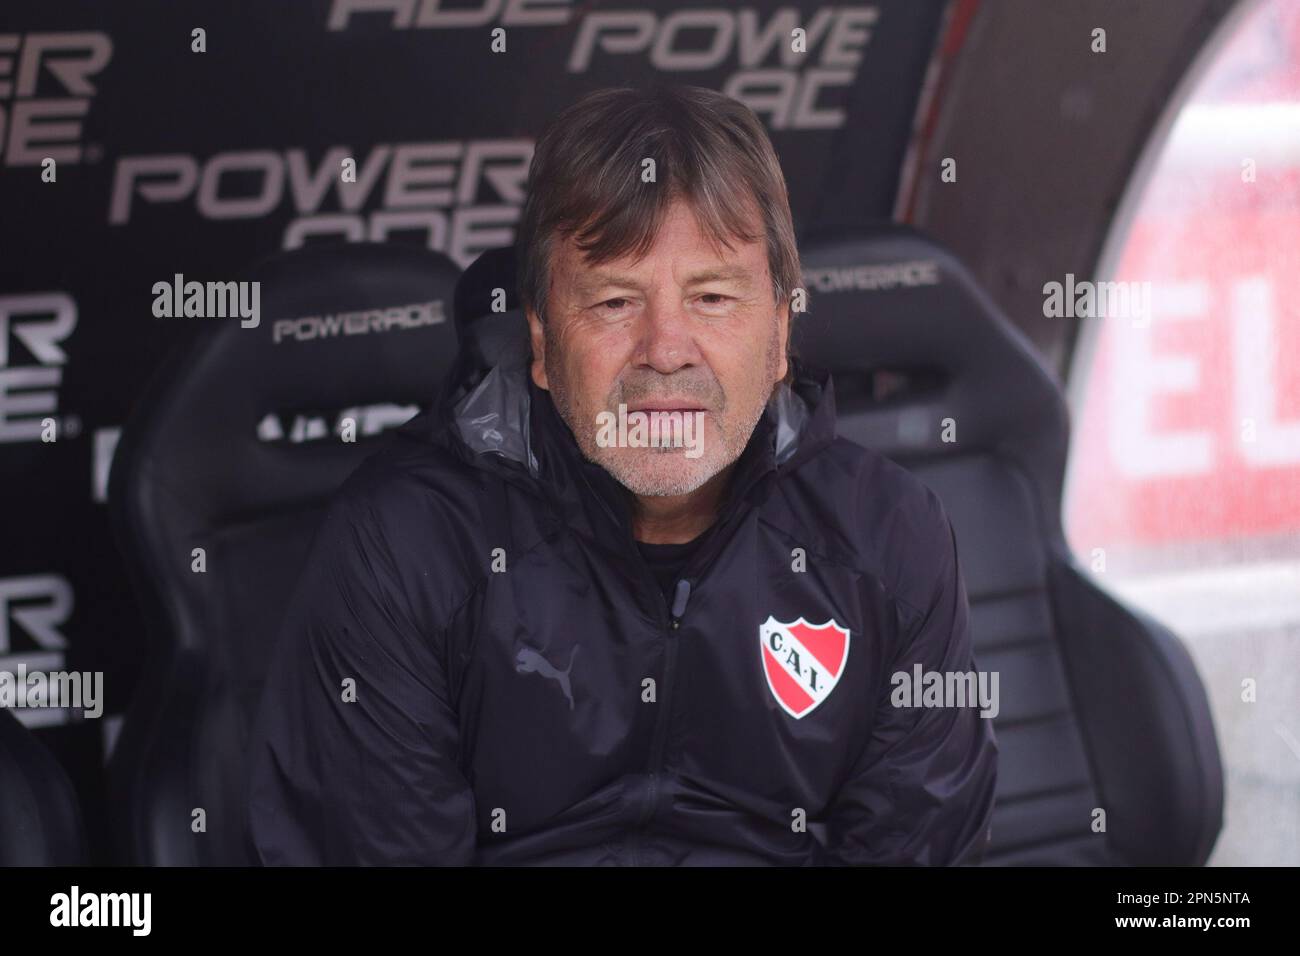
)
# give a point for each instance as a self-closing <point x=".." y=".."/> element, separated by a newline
<point x="667" y="337"/>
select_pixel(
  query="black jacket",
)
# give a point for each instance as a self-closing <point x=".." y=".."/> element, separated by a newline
<point x="477" y="666"/>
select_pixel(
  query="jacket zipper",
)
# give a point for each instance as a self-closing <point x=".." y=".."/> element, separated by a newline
<point x="671" y="619"/>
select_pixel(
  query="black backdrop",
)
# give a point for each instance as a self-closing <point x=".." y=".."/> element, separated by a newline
<point x="169" y="160"/>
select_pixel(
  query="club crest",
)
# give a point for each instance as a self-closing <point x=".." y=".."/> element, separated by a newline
<point x="803" y="662"/>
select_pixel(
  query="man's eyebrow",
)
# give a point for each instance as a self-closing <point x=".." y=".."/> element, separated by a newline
<point x="720" y="274"/>
<point x="591" y="281"/>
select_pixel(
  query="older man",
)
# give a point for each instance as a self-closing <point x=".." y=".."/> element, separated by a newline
<point x="523" y="637"/>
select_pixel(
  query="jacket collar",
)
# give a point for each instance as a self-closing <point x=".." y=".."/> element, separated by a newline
<point x="501" y="421"/>
<point x="566" y="470"/>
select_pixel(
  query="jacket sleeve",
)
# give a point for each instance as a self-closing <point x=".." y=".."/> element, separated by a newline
<point x="922" y="790"/>
<point x="354" y="753"/>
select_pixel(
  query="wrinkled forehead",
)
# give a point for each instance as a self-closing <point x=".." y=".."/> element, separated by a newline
<point x="697" y="253"/>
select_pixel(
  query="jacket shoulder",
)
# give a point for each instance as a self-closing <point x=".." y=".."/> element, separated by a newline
<point x="887" y="522"/>
<point x="416" y="510"/>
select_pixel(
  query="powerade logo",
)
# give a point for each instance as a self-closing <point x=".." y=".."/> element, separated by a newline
<point x="363" y="322"/>
<point x="430" y="15"/>
<point x="33" y="328"/>
<point x="883" y="277"/>
<point x="789" y="64"/>
<point x="45" y="94"/>
<point x="33" y="610"/>
<point x="461" y="196"/>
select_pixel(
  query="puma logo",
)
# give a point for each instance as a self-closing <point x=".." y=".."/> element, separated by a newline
<point x="528" y="661"/>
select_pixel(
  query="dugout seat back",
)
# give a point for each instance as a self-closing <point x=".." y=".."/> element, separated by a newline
<point x="1101" y="707"/>
<point x="218" y="482"/>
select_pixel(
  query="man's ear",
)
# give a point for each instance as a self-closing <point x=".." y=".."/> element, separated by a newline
<point x="538" y="337"/>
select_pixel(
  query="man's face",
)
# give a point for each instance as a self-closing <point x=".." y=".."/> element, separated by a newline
<point x="680" y="330"/>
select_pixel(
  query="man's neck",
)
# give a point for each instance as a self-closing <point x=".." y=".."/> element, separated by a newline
<point x="680" y="518"/>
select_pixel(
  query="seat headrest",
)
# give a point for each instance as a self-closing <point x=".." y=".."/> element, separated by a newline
<point x="490" y="323"/>
<point x="911" y="340"/>
<point x="342" y="326"/>
<point x="335" y="314"/>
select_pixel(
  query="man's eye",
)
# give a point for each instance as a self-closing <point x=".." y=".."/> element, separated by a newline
<point x="715" y="295"/>
<point x="612" y="305"/>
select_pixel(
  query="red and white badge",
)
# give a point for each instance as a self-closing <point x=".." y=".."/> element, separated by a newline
<point x="803" y="662"/>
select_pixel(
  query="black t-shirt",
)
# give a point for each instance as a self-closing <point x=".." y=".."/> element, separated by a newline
<point x="667" y="561"/>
